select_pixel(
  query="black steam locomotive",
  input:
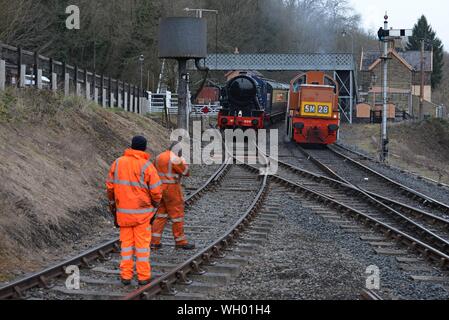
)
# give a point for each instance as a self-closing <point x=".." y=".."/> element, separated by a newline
<point x="251" y="101"/>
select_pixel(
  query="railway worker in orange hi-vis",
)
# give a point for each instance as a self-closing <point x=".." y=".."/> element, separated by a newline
<point x="135" y="192"/>
<point x="171" y="169"/>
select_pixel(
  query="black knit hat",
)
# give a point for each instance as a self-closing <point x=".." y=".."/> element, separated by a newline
<point x="139" y="143"/>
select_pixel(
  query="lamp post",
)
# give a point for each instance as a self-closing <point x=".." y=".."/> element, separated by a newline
<point x="385" y="141"/>
<point x="141" y="59"/>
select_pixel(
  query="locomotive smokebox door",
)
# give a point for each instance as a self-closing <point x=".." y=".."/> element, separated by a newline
<point x="182" y="38"/>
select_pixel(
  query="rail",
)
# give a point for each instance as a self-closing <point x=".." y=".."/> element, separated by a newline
<point x="413" y="193"/>
<point x="180" y="273"/>
<point x="370" y="295"/>
<point x="366" y="157"/>
<point x="193" y="266"/>
<point x="16" y="289"/>
<point x="427" y="250"/>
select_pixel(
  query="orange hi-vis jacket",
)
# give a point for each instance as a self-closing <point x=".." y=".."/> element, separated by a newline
<point x="171" y="168"/>
<point x="135" y="186"/>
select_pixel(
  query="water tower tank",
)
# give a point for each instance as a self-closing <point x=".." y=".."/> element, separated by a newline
<point x="182" y="38"/>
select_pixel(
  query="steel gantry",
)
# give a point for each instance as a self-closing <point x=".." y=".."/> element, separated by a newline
<point x="341" y="65"/>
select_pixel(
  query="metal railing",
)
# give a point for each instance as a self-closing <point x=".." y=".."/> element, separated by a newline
<point x="22" y="68"/>
<point x="159" y="102"/>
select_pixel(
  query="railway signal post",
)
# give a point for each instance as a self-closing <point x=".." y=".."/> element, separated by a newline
<point x="386" y="36"/>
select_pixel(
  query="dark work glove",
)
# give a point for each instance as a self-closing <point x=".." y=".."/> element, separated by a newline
<point x="113" y="210"/>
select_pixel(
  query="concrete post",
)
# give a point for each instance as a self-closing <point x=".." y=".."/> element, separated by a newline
<point x="87" y="91"/>
<point x="78" y="89"/>
<point x="125" y="100"/>
<point x="39" y="79"/>
<point x="112" y="99"/>
<point x="103" y="103"/>
<point x="129" y="97"/>
<point x="22" y="75"/>
<point x="2" y="74"/>
<point x="117" y="94"/>
<point x="54" y="82"/>
<point x="144" y="106"/>
<point x="131" y="106"/>
<point x="96" y="95"/>
<point x="66" y="84"/>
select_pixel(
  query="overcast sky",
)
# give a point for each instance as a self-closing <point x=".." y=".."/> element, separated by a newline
<point x="404" y="14"/>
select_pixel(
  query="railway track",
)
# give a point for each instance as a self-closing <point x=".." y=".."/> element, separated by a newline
<point x="363" y="158"/>
<point x="423" y="233"/>
<point x="344" y="168"/>
<point x="368" y="205"/>
<point x="210" y="210"/>
<point x="412" y="208"/>
<point x="410" y="234"/>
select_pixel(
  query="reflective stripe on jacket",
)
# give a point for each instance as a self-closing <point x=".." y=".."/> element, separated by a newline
<point x="171" y="167"/>
<point x="134" y="185"/>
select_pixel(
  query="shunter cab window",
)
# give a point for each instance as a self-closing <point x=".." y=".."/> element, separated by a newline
<point x="328" y="82"/>
<point x="298" y="83"/>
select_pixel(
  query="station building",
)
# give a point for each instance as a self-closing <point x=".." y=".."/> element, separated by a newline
<point x="404" y="84"/>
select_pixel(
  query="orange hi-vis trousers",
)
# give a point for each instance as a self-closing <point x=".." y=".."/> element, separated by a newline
<point x="135" y="242"/>
<point x="172" y="207"/>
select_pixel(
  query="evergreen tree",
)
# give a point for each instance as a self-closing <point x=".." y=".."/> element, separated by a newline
<point x="423" y="31"/>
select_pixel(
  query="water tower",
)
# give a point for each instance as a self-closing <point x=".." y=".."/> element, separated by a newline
<point x="183" y="39"/>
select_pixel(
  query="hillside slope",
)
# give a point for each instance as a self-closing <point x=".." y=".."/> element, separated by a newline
<point x="54" y="157"/>
<point x="422" y="147"/>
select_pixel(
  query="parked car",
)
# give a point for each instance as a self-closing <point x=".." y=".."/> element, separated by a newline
<point x="29" y="81"/>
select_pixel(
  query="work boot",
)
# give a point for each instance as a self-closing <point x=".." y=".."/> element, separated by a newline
<point x="188" y="246"/>
<point x="144" y="282"/>
<point x="126" y="282"/>
<point x="156" y="246"/>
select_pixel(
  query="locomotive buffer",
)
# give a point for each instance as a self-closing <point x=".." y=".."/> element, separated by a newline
<point x="386" y="36"/>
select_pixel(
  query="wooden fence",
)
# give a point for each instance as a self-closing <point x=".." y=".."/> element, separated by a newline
<point x="22" y="68"/>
